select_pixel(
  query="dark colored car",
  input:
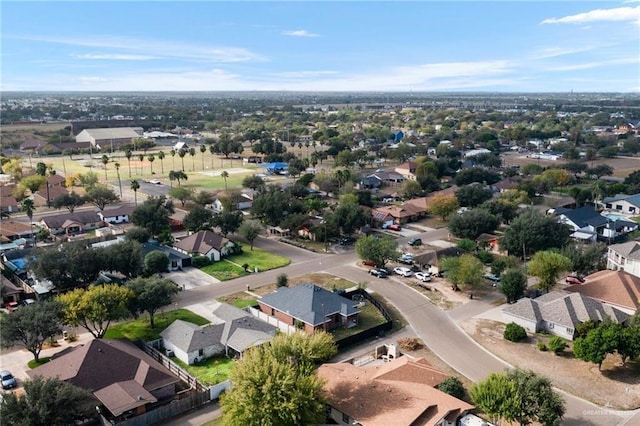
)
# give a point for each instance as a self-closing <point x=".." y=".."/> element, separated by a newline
<point x="415" y="242"/>
<point x="380" y="273"/>
<point x="347" y="241"/>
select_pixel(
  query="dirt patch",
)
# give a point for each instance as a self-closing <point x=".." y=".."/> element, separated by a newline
<point x="615" y="386"/>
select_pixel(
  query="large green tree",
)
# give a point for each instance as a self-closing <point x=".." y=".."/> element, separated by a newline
<point x="151" y="294"/>
<point x="69" y="201"/>
<point x="586" y="258"/>
<point x="101" y="196"/>
<point x="473" y="195"/>
<point x="31" y="326"/>
<point x="274" y="384"/>
<point x="472" y="223"/>
<point x="156" y="262"/>
<point x="153" y="215"/>
<point x="227" y="221"/>
<point x="377" y="250"/>
<point x="126" y="256"/>
<point x="533" y="231"/>
<point x="463" y="271"/>
<point x="181" y="194"/>
<point x="443" y="205"/>
<point x="68" y="265"/>
<point x="513" y="283"/>
<point x="47" y="402"/>
<point x="547" y="265"/>
<point x="536" y="399"/>
<point x="250" y="229"/>
<point x="496" y="396"/>
<point x="96" y="307"/>
<point x="198" y="218"/>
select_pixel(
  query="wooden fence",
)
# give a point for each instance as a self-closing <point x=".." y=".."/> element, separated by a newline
<point x="284" y="327"/>
<point x="175" y="368"/>
<point x="370" y="332"/>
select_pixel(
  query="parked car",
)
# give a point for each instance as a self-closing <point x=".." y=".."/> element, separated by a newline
<point x="423" y="276"/>
<point x="492" y="277"/>
<point x="380" y="273"/>
<point x="27" y="302"/>
<point x="394" y="227"/>
<point x="8" y="381"/>
<point x="415" y="242"/>
<point x="405" y="272"/>
<point x="407" y="259"/>
<point x="575" y="280"/>
<point x="346" y="241"/>
<point x="368" y="263"/>
<point x="12" y="306"/>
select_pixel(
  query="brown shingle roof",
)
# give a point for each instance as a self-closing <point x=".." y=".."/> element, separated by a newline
<point x="398" y="212"/>
<point x="380" y="395"/>
<point x="101" y="363"/>
<point x="614" y="287"/>
<point x="201" y="242"/>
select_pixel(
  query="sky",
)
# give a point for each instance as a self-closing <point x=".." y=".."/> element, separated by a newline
<point x="327" y="46"/>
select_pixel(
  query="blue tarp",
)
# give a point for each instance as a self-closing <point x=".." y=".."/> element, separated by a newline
<point x="274" y="166"/>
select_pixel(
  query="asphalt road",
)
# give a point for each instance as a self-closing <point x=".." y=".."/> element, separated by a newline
<point x="435" y="327"/>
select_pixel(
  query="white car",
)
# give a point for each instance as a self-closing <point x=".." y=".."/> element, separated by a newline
<point x="423" y="276"/>
<point x="405" y="272"/>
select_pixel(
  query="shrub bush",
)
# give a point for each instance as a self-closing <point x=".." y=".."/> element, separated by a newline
<point x="557" y="345"/>
<point x="485" y="257"/>
<point x="541" y="346"/>
<point x="409" y="343"/>
<point x="452" y="386"/>
<point x="200" y="261"/>
<point x="515" y="333"/>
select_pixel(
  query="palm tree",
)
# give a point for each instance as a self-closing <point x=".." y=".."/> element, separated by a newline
<point x="192" y="153"/>
<point x="105" y="161"/>
<point x="181" y="154"/>
<point x="135" y="185"/>
<point x="225" y="175"/>
<point x="117" y="166"/>
<point x="141" y="158"/>
<point x="173" y="157"/>
<point x="151" y="159"/>
<point x="161" y="157"/>
<point x="203" y="149"/>
<point x="127" y="154"/>
<point x="28" y="207"/>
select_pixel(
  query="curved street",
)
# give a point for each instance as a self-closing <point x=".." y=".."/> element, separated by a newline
<point x="435" y="327"/>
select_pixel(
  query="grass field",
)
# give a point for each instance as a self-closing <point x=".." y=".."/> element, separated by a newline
<point x="211" y="371"/>
<point x="141" y="328"/>
<point x="369" y="317"/>
<point x="231" y="267"/>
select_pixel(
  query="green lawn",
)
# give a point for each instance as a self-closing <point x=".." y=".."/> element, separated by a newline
<point x="369" y="317"/>
<point x="224" y="270"/>
<point x="264" y="260"/>
<point x="141" y="328"/>
<point x="210" y="371"/>
<point x="231" y="267"/>
<point x="34" y="364"/>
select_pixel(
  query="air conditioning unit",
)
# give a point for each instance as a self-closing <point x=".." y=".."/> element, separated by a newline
<point x="170" y="353"/>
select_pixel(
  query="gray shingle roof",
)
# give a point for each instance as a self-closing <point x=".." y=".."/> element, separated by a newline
<point x="191" y="337"/>
<point x="309" y="303"/>
<point x="566" y="309"/>
<point x="630" y="249"/>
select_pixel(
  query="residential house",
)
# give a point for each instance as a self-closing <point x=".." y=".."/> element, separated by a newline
<point x="117" y="215"/>
<point x="421" y="204"/>
<point x="560" y="313"/>
<point x="508" y="183"/>
<point x="205" y="243"/>
<point x="407" y="170"/>
<point x="124" y="379"/>
<point x="400" y="392"/>
<point x="232" y="332"/>
<point x="616" y="288"/>
<point x="370" y="182"/>
<point x="244" y="202"/>
<point x="56" y="180"/>
<point x="489" y="242"/>
<point x="624" y="257"/>
<point x="430" y="259"/>
<point x="311" y="307"/>
<point x="9" y="292"/>
<point x="33" y="146"/>
<point x="109" y="138"/>
<point x="71" y="223"/>
<point x="11" y="231"/>
<point x="399" y="214"/>
<point x="46" y="194"/>
<point x="622" y="204"/>
<point x="589" y="225"/>
<point x="177" y="259"/>
<point x="8" y="203"/>
<point x="389" y="178"/>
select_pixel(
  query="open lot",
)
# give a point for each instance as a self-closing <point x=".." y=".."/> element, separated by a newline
<point x="141" y="328"/>
<point x="232" y="266"/>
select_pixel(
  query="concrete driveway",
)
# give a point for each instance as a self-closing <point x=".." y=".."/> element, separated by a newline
<point x="191" y="278"/>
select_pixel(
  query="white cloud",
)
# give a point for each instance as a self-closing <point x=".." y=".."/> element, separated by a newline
<point x="599" y="15"/>
<point x="553" y="52"/>
<point x="300" y="33"/>
<point x="304" y="74"/>
<point x="157" y="48"/>
<point x="598" y="64"/>
<point x="114" y="56"/>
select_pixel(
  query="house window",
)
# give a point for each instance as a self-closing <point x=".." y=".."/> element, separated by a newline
<point x="618" y="207"/>
<point x="273" y="312"/>
<point x="632" y="209"/>
<point x="570" y="331"/>
<point x="608" y="205"/>
<point x="345" y="419"/>
<point x="550" y="325"/>
<point x="201" y="352"/>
